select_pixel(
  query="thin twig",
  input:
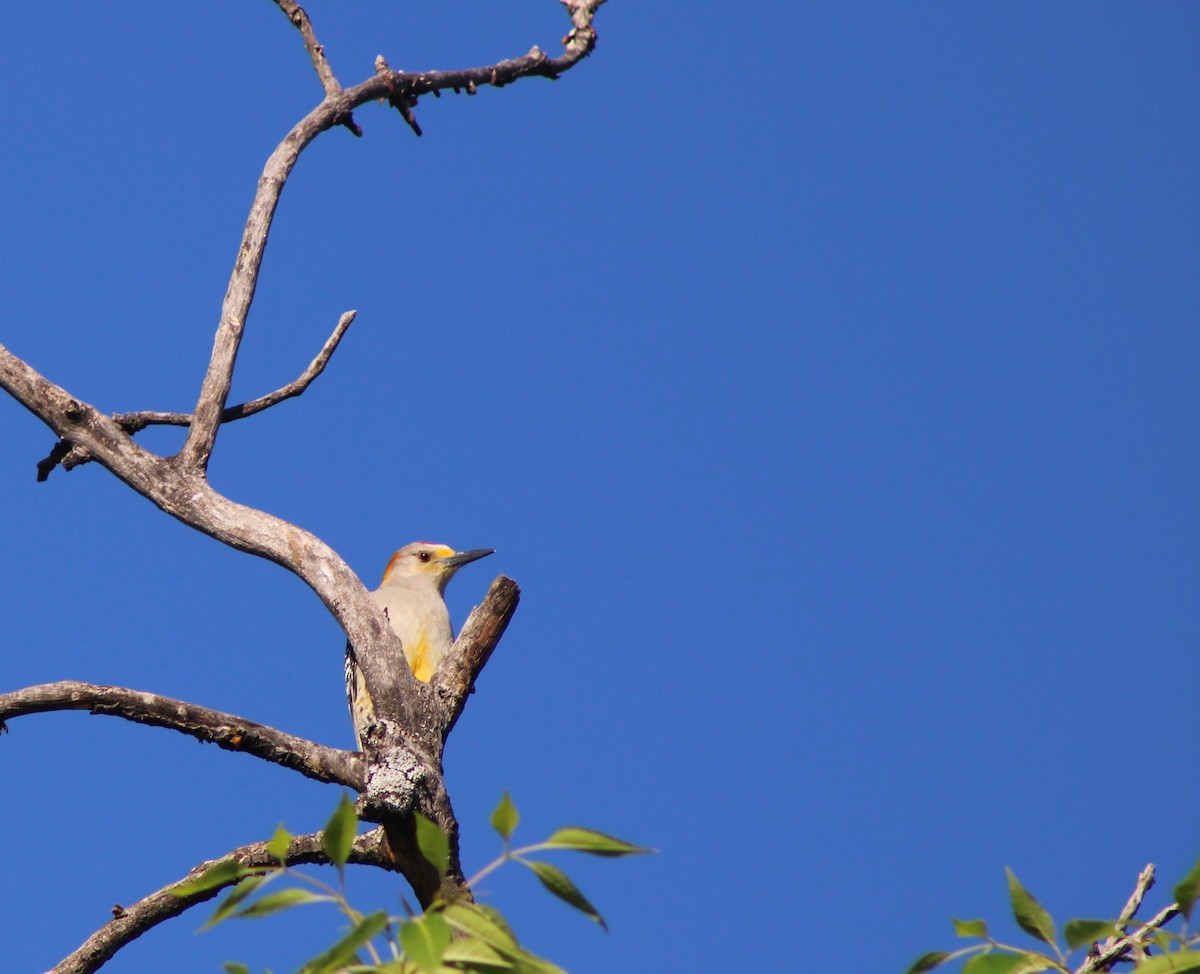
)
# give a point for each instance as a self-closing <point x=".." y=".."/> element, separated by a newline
<point x="227" y="731"/>
<point x="71" y="455"/>
<point x="131" y="922"/>
<point x="46" y="466"/>
<point x="1144" y="884"/>
<point x="132" y="422"/>
<point x="297" y="15"/>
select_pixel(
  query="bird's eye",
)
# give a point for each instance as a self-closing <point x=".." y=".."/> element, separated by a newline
<point x="424" y="555"/>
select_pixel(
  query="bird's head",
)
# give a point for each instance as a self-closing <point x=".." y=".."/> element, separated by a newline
<point x="436" y="562"/>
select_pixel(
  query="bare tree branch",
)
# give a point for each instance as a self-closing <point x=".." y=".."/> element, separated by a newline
<point x="227" y="731"/>
<point x="78" y="423"/>
<point x="582" y="38"/>
<point x="316" y="52"/>
<point x="455" y="678"/>
<point x="1117" y="950"/>
<point x="132" y="422"/>
<point x="71" y="455"/>
<point x="202" y="432"/>
<point x="1145" y="882"/>
<point x="1102" y="957"/>
<point x="131" y="922"/>
<point x="401" y="90"/>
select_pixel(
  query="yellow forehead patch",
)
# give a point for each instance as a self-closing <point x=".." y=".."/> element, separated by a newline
<point x="439" y="551"/>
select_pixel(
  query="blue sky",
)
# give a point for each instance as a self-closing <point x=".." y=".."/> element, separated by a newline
<point x="826" y="375"/>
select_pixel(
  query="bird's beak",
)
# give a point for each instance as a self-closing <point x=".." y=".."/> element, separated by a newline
<point x="466" y="557"/>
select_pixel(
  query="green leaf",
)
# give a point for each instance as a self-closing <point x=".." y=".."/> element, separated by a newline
<point x="596" y="843"/>
<point x="505" y="817"/>
<point x="232" y="967"/>
<point x="433" y="843"/>
<point x="280" y="843"/>
<point x="971" y="928"/>
<point x="345" y="950"/>
<point x="474" y="954"/>
<point x="425" y="940"/>
<point x="1179" y="962"/>
<point x="340" y="832"/>
<point x="1187" y="891"/>
<point x="555" y="880"/>
<point x="284" y="899"/>
<point x="496" y="918"/>
<point x="996" y="962"/>
<point x="927" y="962"/>
<point x="234" y="899"/>
<point x="1030" y="915"/>
<point x="486" y="924"/>
<point x="1080" y="933"/>
<point x="222" y="874"/>
<point x="470" y="918"/>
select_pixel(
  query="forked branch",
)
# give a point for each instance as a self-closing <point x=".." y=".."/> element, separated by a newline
<point x="1114" y="950"/>
<point x="132" y="422"/>
<point x="71" y="455"/>
<point x="398" y="88"/>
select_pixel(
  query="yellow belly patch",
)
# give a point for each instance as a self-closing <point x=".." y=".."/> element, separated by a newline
<point x="419" y="661"/>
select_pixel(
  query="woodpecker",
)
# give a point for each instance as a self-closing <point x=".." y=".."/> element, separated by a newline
<point x="412" y="596"/>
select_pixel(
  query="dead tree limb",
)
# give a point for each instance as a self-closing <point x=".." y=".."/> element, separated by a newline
<point x="227" y="731"/>
<point x="455" y="678"/>
<point x="132" y="422"/>
<point x="398" y="88"/>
